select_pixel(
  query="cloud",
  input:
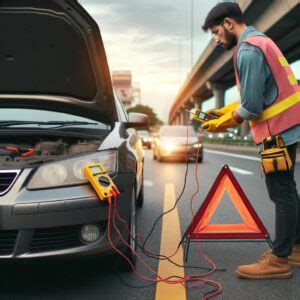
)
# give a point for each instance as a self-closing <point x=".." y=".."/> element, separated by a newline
<point x="151" y="39"/>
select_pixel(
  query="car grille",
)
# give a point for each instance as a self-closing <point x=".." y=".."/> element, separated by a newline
<point x="7" y="241"/>
<point x="7" y="179"/>
<point x="58" y="238"/>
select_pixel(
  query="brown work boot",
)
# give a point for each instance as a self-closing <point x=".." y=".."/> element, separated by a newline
<point x="294" y="258"/>
<point x="269" y="266"/>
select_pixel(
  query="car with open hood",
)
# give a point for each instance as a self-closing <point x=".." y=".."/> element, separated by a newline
<point x="58" y="113"/>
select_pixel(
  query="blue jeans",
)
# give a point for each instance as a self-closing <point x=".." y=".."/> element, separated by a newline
<point x="283" y="192"/>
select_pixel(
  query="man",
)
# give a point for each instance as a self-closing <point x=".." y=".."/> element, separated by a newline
<point x="264" y="80"/>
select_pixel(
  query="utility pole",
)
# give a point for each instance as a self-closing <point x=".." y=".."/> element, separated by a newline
<point x="192" y="34"/>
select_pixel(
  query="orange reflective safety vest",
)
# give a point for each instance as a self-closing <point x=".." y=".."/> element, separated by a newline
<point x="284" y="113"/>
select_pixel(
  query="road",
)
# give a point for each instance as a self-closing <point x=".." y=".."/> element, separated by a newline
<point x="163" y="183"/>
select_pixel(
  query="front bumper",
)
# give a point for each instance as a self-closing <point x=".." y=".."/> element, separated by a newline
<point x="33" y="228"/>
<point x="180" y="152"/>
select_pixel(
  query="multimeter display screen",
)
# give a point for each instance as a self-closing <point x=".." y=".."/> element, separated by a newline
<point x="95" y="169"/>
<point x="202" y="116"/>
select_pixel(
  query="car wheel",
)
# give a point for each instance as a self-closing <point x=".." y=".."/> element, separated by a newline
<point x="200" y="159"/>
<point x="140" y="198"/>
<point x="154" y="155"/>
<point x="159" y="157"/>
<point x="123" y="264"/>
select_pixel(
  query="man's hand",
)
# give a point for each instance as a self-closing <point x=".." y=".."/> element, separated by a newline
<point x="225" y="109"/>
<point x="220" y="124"/>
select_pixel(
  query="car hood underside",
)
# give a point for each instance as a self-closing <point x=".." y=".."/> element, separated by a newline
<point x="52" y="57"/>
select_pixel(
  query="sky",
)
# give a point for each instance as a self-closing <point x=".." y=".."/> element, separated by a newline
<point x="152" y="39"/>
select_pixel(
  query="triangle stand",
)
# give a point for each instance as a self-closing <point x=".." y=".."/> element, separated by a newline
<point x="251" y="230"/>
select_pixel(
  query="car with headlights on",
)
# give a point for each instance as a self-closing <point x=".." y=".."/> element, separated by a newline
<point x="58" y="113"/>
<point x="175" y="142"/>
<point x="146" y="138"/>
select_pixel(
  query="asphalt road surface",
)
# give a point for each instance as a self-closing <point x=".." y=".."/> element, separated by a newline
<point x="98" y="279"/>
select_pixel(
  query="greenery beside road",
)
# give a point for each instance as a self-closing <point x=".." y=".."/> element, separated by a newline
<point x="147" y="110"/>
<point x="228" y="141"/>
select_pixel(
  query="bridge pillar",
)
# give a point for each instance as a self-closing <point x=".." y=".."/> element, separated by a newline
<point x="177" y="120"/>
<point x="218" y="91"/>
<point x="186" y="119"/>
<point x="245" y="128"/>
<point x="181" y="117"/>
<point x="196" y="102"/>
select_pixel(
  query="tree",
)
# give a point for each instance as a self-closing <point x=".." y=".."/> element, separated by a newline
<point x="145" y="109"/>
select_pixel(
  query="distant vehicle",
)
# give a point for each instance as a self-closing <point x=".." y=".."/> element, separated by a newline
<point x="171" y="143"/>
<point x="146" y="138"/>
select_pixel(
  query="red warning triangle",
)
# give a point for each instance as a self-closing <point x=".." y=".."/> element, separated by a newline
<point x="251" y="228"/>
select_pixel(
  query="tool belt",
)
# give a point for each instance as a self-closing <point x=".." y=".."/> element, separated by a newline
<point x="275" y="156"/>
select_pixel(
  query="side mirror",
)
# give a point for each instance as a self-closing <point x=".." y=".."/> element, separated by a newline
<point x="137" y="120"/>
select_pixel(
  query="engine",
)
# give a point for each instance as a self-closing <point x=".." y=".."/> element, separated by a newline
<point x="37" y="150"/>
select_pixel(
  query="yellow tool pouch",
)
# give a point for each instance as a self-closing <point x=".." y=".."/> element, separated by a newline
<point x="275" y="156"/>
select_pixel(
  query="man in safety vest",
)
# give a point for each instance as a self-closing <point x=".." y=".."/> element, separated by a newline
<point x="270" y="100"/>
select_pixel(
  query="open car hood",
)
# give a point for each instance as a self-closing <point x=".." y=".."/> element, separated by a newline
<point x="52" y="57"/>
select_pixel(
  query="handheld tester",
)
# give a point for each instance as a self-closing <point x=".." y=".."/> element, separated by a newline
<point x="100" y="180"/>
<point x="200" y="116"/>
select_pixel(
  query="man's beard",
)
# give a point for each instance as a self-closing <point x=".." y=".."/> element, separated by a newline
<point x="230" y="39"/>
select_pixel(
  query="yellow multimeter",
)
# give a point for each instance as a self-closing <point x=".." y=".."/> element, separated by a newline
<point x="200" y="116"/>
<point x="100" y="180"/>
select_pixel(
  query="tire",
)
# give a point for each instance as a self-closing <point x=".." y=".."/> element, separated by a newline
<point x="140" y="198"/>
<point x="154" y="155"/>
<point x="123" y="265"/>
<point x="200" y="159"/>
<point x="159" y="158"/>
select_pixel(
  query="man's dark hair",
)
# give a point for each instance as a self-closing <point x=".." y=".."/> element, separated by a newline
<point x="221" y="11"/>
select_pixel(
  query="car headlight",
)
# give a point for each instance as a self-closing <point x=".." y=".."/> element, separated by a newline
<point x="168" y="145"/>
<point x="197" y="146"/>
<point x="70" y="171"/>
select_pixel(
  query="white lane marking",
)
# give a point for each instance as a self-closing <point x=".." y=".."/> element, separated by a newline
<point x="233" y="155"/>
<point x="240" y="171"/>
<point x="148" y="183"/>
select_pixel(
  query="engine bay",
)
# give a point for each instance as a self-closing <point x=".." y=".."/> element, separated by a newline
<point x="34" y="150"/>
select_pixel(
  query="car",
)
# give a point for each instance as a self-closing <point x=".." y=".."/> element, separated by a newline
<point x="59" y="113"/>
<point x="146" y="138"/>
<point x="171" y="142"/>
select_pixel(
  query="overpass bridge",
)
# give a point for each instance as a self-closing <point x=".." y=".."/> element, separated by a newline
<point x="213" y="73"/>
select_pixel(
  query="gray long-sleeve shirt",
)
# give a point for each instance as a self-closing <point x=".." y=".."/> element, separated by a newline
<point x="258" y="87"/>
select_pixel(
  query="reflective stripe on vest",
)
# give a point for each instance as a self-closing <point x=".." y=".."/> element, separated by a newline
<point x="277" y="108"/>
<point x="283" y="114"/>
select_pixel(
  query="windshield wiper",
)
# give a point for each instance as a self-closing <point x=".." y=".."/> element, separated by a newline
<point x="4" y="124"/>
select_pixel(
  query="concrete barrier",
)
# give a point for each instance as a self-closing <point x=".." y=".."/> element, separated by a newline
<point x="240" y="149"/>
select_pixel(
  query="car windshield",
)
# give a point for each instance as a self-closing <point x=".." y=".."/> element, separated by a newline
<point x="144" y="134"/>
<point x="176" y="131"/>
<point x="12" y="117"/>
